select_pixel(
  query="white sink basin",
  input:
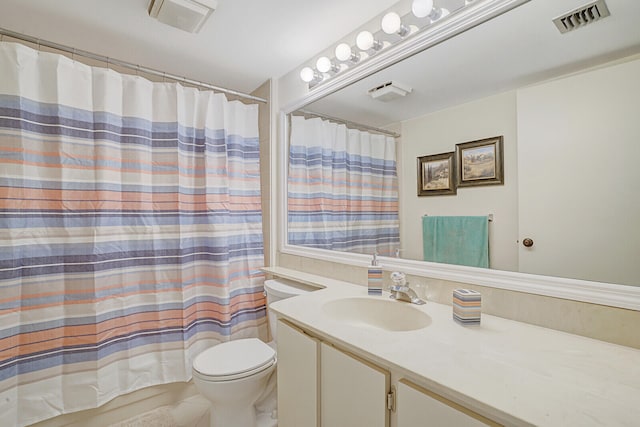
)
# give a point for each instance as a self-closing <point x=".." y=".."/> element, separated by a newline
<point x="384" y="314"/>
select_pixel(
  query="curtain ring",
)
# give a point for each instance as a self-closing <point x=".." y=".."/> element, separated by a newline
<point x="138" y="70"/>
<point x="164" y="77"/>
<point x="38" y="42"/>
<point x="107" y="63"/>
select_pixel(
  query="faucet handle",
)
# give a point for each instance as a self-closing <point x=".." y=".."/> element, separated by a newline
<point x="398" y="278"/>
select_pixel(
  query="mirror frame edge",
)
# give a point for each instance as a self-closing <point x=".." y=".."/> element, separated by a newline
<point x="607" y="294"/>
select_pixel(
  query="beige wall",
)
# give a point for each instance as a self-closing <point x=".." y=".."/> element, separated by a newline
<point x="438" y="133"/>
<point x="264" y="127"/>
<point x="586" y="142"/>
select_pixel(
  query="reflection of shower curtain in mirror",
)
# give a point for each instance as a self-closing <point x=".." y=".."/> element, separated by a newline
<point x="343" y="188"/>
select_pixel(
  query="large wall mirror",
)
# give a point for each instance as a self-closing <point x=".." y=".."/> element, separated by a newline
<point x="566" y="107"/>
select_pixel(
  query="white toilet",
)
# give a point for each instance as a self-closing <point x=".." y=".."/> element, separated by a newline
<point x="234" y="374"/>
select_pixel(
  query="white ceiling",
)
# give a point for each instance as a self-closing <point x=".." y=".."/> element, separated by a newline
<point x="513" y="50"/>
<point x="249" y="41"/>
<point x="244" y="43"/>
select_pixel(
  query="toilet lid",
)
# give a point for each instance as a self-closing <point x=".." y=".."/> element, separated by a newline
<point x="234" y="357"/>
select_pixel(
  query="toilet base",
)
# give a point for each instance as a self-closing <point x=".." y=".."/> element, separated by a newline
<point x="264" y="416"/>
<point x="233" y="403"/>
<point x="233" y="416"/>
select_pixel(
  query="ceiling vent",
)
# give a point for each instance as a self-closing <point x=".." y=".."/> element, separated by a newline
<point x="389" y="91"/>
<point x="188" y="15"/>
<point x="582" y="16"/>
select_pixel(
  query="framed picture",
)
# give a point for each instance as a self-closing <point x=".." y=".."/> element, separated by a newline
<point x="480" y="162"/>
<point x="436" y="175"/>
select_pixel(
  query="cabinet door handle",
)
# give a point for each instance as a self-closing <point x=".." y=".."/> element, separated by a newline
<point x="527" y="242"/>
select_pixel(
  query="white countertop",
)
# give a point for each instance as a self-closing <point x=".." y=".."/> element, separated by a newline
<point x="512" y="372"/>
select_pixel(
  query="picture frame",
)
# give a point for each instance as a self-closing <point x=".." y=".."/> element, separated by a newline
<point x="437" y="175"/>
<point x="480" y="162"/>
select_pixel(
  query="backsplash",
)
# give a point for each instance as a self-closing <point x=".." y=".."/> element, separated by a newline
<point x="611" y="324"/>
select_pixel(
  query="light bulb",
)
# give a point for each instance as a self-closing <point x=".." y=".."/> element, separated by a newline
<point x="391" y="23"/>
<point x="365" y="40"/>
<point x="323" y="64"/>
<point x="438" y="14"/>
<point x="421" y="8"/>
<point x="307" y="74"/>
<point x="343" y="52"/>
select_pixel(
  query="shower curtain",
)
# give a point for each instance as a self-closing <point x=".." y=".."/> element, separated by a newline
<point x="131" y="234"/>
<point x="342" y="188"/>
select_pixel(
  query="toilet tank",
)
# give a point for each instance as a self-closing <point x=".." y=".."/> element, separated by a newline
<point x="277" y="289"/>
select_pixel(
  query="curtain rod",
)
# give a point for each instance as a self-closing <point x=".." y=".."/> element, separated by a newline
<point x="348" y="122"/>
<point x="137" y="68"/>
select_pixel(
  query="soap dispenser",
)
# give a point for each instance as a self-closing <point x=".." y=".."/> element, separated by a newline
<point x="374" y="277"/>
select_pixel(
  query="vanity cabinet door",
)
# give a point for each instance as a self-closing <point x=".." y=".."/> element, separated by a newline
<point x="417" y="407"/>
<point x="353" y="392"/>
<point x="297" y="377"/>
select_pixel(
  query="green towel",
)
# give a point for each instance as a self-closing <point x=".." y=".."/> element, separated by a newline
<point x="461" y="240"/>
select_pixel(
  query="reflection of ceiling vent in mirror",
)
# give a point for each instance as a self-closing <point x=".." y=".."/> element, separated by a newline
<point x="582" y="16"/>
<point x="389" y="91"/>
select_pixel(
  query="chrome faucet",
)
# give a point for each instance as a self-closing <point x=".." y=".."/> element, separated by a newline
<point x="401" y="291"/>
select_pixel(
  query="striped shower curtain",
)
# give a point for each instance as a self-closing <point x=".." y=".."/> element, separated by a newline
<point x="342" y="188"/>
<point x="130" y="232"/>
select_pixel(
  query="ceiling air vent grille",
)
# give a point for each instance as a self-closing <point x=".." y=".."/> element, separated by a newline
<point x="582" y="16"/>
<point x="389" y="91"/>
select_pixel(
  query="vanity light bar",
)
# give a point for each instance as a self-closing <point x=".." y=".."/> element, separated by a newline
<point x="347" y="56"/>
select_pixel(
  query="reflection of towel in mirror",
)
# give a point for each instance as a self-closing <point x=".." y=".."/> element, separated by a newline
<point x="461" y="240"/>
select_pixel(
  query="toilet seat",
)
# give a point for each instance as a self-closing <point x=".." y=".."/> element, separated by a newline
<point x="234" y="360"/>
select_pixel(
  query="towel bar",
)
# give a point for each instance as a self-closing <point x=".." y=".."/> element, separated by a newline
<point x="490" y="217"/>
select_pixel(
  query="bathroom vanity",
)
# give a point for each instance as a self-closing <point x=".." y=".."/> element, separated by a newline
<point x="352" y="390"/>
<point x="348" y="359"/>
